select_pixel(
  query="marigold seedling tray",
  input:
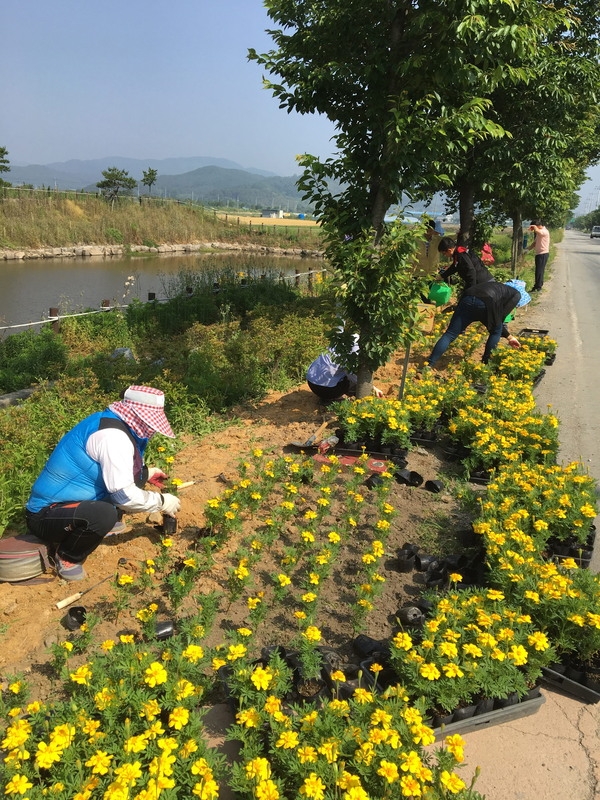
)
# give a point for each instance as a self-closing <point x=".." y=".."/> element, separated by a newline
<point x="555" y="680"/>
<point x="525" y="332"/>
<point x="523" y="709"/>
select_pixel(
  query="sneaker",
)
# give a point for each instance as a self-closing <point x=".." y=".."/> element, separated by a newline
<point x="119" y="527"/>
<point x="69" y="571"/>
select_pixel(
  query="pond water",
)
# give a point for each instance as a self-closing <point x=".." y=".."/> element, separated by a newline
<point x="29" y="289"/>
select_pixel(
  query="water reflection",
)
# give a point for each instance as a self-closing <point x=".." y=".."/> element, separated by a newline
<point x="28" y="289"/>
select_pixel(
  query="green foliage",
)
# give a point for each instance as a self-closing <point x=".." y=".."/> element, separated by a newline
<point x="4" y="162"/>
<point x="115" y="180"/>
<point x="114" y="235"/>
<point x="228" y="364"/>
<point x="149" y="177"/>
<point x="27" y="358"/>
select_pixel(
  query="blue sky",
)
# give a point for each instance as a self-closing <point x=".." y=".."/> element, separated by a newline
<point x="144" y="79"/>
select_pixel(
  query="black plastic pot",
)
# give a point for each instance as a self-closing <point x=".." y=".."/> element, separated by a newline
<point x="164" y="629"/>
<point x="424" y="562"/>
<point x="374" y="480"/>
<point x="464" y="712"/>
<point x="75" y="618"/>
<point x="510" y="700"/>
<point x="366" y="646"/>
<point x="484" y="706"/>
<point x="409" y="477"/>
<point x="169" y="525"/>
<point x="411" y="616"/>
<point x="434" y="486"/>
<point x="405" y="561"/>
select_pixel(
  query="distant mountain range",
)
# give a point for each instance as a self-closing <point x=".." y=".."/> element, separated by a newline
<point x="214" y="181"/>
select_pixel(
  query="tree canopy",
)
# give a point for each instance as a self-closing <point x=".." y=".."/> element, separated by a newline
<point x="149" y="177"/>
<point x="114" y="180"/>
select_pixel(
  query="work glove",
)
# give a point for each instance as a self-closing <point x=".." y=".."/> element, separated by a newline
<point x="157" y="477"/>
<point x="171" y="504"/>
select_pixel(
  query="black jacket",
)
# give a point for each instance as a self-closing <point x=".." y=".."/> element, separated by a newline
<point x="499" y="300"/>
<point x="469" y="267"/>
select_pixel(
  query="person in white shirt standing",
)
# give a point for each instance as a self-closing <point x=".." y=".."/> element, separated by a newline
<point x="541" y="245"/>
<point x="95" y="473"/>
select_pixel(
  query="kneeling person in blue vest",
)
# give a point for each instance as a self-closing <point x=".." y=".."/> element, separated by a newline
<point x="95" y="473"/>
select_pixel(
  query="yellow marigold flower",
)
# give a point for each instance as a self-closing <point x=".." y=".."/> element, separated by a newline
<point x="18" y="784"/>
<point x="334" y="537"/>
<point x="129" y="773"/>
<point x="284" y="580"/>
<point x="429" y="671"/>
<point x="313" y="787"/>
<point x="249" y="717"/>
<point x="300" y="614"/>
<point x="183" y="689"/>
<point x="236" y="651"/>
<point x="253" y="602"/>
<point x="83" y="675"/>
<point x="388" y="770"/>
<point x="68" y="646"/>
<point x="362" y="696"/>
<point x="267" y="790"/>
<point x="402" y="641"/>
<point x="193" y="653"/>
<point x="452" y="782"/>
<point x="539" y="641"/>
<point x="452" y="670"/>
<point x="593" y="619"/>
<point x="518" y="654"/>
<point x="410" y="786"/>
<point x="312" y="634"/>
<point x="288" y="740"/>
<point x="179" y="718"/>
<point x="125" y="580"/>
<point x="188" y="748"/>
<point x="126" y="638"/>
<point x="155" y="674"/>
<point x="494" y="594"/>
<point x="258" y="769"/>
<point x="330" y="750"/>
<point x="306" y="754"/>
<point x="47" y="754"/>
<point x="339" y="707"/>
<point x="338" y="676"/>
<point x="262" y="677"/>
<point x="107" y="645"/>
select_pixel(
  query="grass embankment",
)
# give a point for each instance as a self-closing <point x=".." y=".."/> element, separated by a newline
<point x="65" y="219"/>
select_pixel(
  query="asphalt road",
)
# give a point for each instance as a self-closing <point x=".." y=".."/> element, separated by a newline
<point x="568" y="307"/>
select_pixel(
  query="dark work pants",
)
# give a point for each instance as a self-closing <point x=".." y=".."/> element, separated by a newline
<point x="75" y="528"/>
<point x="540" y="268"/>
<point x="345" y="386"/>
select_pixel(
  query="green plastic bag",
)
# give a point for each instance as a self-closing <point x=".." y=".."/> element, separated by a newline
<point x="439" y="293"/>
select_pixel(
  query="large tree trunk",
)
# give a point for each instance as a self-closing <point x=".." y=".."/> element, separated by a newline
<point x="517" y="241"/>
<point x="466" y="210"/>
<point x="364" y="386"/>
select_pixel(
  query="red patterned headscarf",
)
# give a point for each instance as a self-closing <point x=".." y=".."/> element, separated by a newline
<point x="142" y="408"/>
